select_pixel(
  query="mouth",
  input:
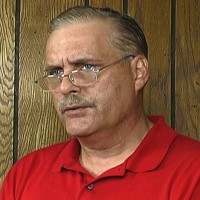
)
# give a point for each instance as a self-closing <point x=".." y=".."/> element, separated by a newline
<point x="74" y="110"/>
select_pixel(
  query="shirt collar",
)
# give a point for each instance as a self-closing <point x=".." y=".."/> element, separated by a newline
<point x="146" y="157"/>
<point x="153" y="148"/>
<point x="68" y="156"/>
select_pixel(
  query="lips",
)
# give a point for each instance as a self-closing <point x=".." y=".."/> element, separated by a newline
<point x="74" y="109"/>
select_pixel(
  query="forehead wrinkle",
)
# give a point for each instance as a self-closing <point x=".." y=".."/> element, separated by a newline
<point x="77" y="49"/>
<point x="54" y="63"/>
<point x="82" y="60"/>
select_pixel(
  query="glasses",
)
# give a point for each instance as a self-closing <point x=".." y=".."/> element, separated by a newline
<point x="81" y="77"/>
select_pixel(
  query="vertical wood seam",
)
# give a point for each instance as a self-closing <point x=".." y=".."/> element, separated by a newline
<point x="125" y="7"/>
<point x="173" y="63"/>
<point x="87" y="2"/>
<point x="16" y="81"/>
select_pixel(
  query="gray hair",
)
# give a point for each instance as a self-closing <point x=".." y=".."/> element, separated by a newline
<point x="126" y="35"/>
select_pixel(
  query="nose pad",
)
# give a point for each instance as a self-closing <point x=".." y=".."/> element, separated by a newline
<point x="65" y="82"/>
<point x="66" y="86"/>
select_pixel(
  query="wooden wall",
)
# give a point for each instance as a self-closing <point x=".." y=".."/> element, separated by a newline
<point x="28" y="120"/>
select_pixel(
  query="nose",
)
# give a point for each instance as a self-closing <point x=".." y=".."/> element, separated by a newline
<point x="67" y="87"/>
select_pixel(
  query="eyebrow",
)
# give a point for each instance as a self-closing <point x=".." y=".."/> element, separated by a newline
<point x="82" y="61"/>
<point x="74" y="62"/>
<point x="49" y="67"/>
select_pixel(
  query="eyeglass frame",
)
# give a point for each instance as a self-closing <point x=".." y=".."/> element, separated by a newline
<point x="96" y="71"/>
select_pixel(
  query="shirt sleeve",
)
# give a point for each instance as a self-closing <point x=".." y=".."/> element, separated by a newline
<point x="10" y="184"/>
<point x="7" y="189"/>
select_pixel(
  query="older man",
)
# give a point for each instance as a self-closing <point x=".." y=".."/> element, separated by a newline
<point x="96" y="70"/>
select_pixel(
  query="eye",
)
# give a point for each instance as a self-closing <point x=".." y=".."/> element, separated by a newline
<point x="55" y="72"/>
<point x="88" y="67"/>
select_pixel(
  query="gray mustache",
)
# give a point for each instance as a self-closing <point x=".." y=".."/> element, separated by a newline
<point x="74" y="100"/>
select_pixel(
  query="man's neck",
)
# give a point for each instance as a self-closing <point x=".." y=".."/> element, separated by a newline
<point x="112" y="149"/>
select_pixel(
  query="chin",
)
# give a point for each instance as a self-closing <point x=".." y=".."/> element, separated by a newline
<point x="79" y="126"/>
<point x="78" y="130"/>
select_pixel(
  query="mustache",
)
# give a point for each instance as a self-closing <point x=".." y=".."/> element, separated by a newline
<point x="72" y="99"/>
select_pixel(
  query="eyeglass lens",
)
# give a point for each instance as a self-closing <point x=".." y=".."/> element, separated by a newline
<point x="79" y="78"/>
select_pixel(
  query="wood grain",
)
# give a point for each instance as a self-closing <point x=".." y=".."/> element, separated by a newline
<point x="114" y="4"/>
<point x="188" y="68"/>
<point x="39" y="125"/>
<point x="7" y="35"/>
<point x="154" y="18"/>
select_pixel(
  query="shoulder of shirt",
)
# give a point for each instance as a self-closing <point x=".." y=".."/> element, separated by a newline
<point x="183" y="141"/>
<point x="187" y="146"/>
<point x="46" y="154"/>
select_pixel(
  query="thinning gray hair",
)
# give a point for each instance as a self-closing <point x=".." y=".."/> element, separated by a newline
<point x="126" y="35"/>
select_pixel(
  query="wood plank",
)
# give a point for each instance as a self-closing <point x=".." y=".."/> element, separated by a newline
<point x="114" y="4"/>
<point x="154" y="18"/>
<point x="7" y="35"/>
<point x="39" y="125"/>
<point x="188" y="68"/>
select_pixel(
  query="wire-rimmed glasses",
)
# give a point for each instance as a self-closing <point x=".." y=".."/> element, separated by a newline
<point x="81" y="77"/>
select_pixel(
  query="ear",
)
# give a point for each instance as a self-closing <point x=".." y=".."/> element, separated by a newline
<point x="140" y="68"/>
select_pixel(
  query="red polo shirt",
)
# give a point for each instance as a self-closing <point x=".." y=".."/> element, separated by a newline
<point x="166" y="165"/>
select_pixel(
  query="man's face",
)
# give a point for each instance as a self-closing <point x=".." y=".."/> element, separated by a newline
<point x="105" y="104"/>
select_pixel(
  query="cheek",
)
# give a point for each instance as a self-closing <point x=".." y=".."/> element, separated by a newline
<point x="115" y="93"/>
<point x="56" y="99"/>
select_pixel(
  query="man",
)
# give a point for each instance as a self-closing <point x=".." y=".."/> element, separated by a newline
<point x="96" y="70"/>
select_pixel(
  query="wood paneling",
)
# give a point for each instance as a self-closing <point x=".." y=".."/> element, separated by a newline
<point x="38" y="122"/>
<point x="188" y="68"/>
<point x="154" y="18"/>
<point x="7" y="35"/>
<point x="114" y="4"/>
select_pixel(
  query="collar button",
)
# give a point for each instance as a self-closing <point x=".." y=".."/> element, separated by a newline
<point x="90" y="187"/>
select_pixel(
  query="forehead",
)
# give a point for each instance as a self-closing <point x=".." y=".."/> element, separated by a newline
<point x="92" y="37"/>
